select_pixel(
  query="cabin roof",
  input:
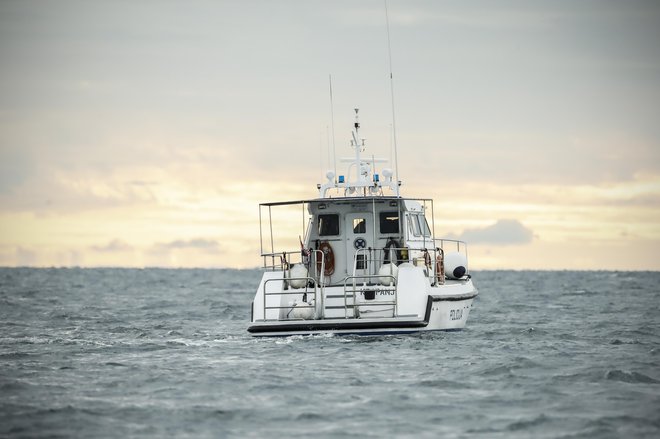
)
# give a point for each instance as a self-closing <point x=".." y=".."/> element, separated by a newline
<point x="346" y="200"/>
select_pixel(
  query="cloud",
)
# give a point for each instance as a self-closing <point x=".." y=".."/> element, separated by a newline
<point x="503" y="232"/>
<point x="183" y="253"/>
<point x="57" y="191"/>
<point x="207" y="245"/>
<point x="116" y="245"/>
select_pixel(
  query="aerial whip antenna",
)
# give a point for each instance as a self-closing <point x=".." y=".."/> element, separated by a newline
<point x="327" y="148"/>
<point x="332" y="119"/>
<point x="321" y="149"/>
<point x="389" y="53"/>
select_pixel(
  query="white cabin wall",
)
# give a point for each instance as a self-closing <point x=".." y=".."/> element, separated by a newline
<point x="340" y="244"/>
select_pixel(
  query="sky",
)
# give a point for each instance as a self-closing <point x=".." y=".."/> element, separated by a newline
<point x="144" y="133"/>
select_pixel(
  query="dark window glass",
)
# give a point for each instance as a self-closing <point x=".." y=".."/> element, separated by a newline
<point x="389" y="222"/>
<point x="359" y="225"/>
<point x="360" y="262"/>
<point x="328" y="225"/>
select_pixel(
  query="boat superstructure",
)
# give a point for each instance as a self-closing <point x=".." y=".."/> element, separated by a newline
<point x="364" y="261"/>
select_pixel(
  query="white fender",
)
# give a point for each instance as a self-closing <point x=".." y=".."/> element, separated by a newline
<point x="385" y="271"/>
<point x="303" y="311"/>
<point x="297" y="271"/>
<point x="455" y="265"/>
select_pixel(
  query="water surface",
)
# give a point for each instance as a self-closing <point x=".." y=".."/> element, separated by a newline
<point x="153" y="353"/>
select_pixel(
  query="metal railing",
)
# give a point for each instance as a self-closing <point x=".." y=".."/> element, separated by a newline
<point x="278" y="261"/>
<point x="315" y="279"/>
<point x="459" y="244"/>
<point x="292" y="292"/>
<point x="368" y="288"/>
<point x="366" y="279"/>
<point x="367" y="261"/>
<point x="365" y="276"/>
<point x="283" y="261"/>
<point x="461" y="247"/>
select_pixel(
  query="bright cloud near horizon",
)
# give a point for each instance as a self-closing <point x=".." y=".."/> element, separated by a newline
<point x="146" y="133"/>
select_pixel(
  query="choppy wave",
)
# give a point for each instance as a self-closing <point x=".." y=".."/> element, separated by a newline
<point x="165" y="353"/>
<point x="629" y="377"/>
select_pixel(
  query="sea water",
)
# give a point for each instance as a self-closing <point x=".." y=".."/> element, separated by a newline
<point x="165" y="353"/>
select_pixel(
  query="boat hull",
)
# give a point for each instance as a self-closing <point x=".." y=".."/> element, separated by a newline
<point x="442" y="313"/>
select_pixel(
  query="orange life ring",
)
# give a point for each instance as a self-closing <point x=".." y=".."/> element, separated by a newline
<point x="329" y="256"/>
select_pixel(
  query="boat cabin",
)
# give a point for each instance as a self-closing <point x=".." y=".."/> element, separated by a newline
<point x="357" y="236"/>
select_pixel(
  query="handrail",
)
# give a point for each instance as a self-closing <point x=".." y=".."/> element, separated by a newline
<point x="371" y="259"/>
<point x="369" y="287"/>
<point x="376" y="262"/>
<point x="290" y="258"/>
<point x="320" y="275"/>
<point x="459" y="244"/>
<point x="317" y="279"/>
<point x="289" y="292"/>
<point x="282" y="256"/>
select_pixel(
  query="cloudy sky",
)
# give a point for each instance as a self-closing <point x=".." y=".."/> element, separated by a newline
<point x="146" y="133"/>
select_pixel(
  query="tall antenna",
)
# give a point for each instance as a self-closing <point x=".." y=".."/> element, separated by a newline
<point x="327" y="149"/>
<point x="321" y="150"/>
<point x="389" y="53"/>
<point x="332" y="118"/>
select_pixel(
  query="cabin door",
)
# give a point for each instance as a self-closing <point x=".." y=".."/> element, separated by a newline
<point x="359" y="235"/>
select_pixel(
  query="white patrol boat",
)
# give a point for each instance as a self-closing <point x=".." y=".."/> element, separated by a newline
<point x="368" y="263"/>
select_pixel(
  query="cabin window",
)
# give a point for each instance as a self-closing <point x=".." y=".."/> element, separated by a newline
<point x="425" y="225"/>
<point x="414" y="220"/>
<point x="328" y="225"/>
<point x="389" y="222"/>
<point x="360" y="262"/>
<point x="359" y="225"/>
